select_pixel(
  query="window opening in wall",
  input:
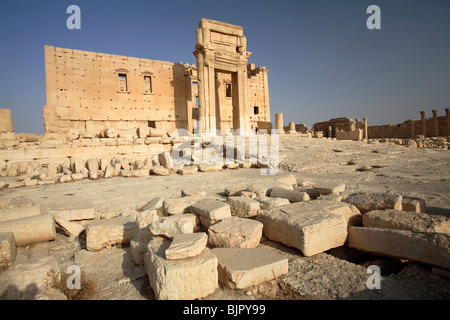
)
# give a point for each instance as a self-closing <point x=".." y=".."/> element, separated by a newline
<point x="196" y="102"/>
<point x="152" y="124"/>
<point x="255" y="110"/>
<point x="122" y="82"/>
<point x="147" y="84"/>
<point x="228" y="90"/>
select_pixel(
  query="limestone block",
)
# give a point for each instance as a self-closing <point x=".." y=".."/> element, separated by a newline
<point x="245" y="267"/>
<point x="243" y="207"/>
<point x="109" y="171"/>
<point x="210" y="167"/>
<point x="235" y="232"/>
<point x="73" y="134"/>
<point x="17" y="184"/>
<point x="154" y="132"/>
<point x="170" y="226"/>
<point x="288" y="179"/>
<point x="312" y="226"/>
<point x="30" y="182"/>
<point x="143" y="132"/>
<point x="375" y="201"/>
<point x="110" y="133"/>
<point x="267" y="203"/>
<point x="330" y="188"/>
<point x="143" y="220"/>
<point x="102" y="233"/>
<point x="186" y="245"/>
<point x="77" y="176"/>
<point x="27" y="278"/>
<point x="413" y="204"/>
<point x="6" y="121"/>
<point x="406" y="220"/>
<point x="65" y="178"/>
<point x="19" y="212"/>
<point x="139" y="173"/>
<point x="212" y="209"/>
<point x="192" y="192"/>
<point x="7" y="250"/>
<point x="72" y="229"/>
<point x="235" y="190"/>
<point x="291" y="195"/>
<point x="160" y="171"/>
<point x="165" y="159"/>
<point x="431" y="248"/>
<point x="157" y="204"/>
<point x="181" y="279"/>
<point x="181" y="205"/>
<point x="30" y="229"/>
<point x="188" y="170"/>
<point x="74" y="210"/>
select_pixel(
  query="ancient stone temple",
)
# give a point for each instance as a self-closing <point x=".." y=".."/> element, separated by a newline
<point x="92" y="92"/>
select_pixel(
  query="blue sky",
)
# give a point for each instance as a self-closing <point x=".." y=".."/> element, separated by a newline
<point x="324" y="62"/>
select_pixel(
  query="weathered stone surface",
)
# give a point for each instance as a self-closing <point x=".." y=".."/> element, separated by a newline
<point x="375" y="201"/>
<point x="188" y="170"/>
<point x="244" y="267"/>
<point x="243" y="207"/>
<point x="30" y="229"/>
<point x="288" y="179"/>
<point x="413" y="204"/>
<point x="312" y="226"/>
<point x="193" y="192"/>
<point x="27" y="278"/>
<point x="19" y="212"/>
<point x="235" y="190"/>
<point x="266" y="187"/>
<point x="143" y="172"/>
<point x="157" y="204"/>
<point x="180" y="205"/>
<point x="291" y="195"/>
<point x="170" y="226"/>
<point x="212" y="209"/>
<point x="235" y="232"/>
<point x="160" y="171"/>
<point x="70" y="228"/>
<point x="102" y="233"/>
<point x="330" y="188"/>
<point x="165" y="159"/>
<point x="74" y="210"/>
<point x="432" y="248"/>
<point x="181" y="279"/>
<point x="186" y="245"/>
<point x="204" y="167"/>
<point x="267" y="203"/>
<point x="7" y="250"/>
<point x="143" y="220"/>
<point x="406" y="220"/>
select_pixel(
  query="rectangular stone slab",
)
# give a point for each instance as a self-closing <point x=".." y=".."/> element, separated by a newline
<point x="245" y="267"/>
<point x="212" y="209"/>
<point x="432" y="248"/>
<point x="311" y="226"/>
<point x="181" y="279"/>
<point x="186" y="245"/>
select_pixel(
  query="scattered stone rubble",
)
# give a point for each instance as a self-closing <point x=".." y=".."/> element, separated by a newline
<point x="191" y="244"/>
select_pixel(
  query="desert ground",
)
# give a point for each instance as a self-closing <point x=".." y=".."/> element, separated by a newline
<point x="339" y="273"/>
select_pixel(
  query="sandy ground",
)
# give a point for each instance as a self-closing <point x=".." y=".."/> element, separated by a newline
<point x="336" y="274"/>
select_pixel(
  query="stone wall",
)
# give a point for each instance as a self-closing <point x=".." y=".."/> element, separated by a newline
<point x="402" y="130"/>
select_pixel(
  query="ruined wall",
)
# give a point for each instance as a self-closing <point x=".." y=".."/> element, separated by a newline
<point x="92" y="91"/>
<point x="345" y="124"/>
<point x="402" y="130"/>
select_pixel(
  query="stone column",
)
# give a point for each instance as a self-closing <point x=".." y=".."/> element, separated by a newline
<point x="330" y="132"/>
<point x="412" y="132"/>
<point x="365" y="136"/>
<point x="6" y="121"/>
<point x="435" y="123"/>
<point x="292" y="127"/>
<point x="423" y="121"/>
<point x="279" y="123"/>
<point x="447" y="117"/>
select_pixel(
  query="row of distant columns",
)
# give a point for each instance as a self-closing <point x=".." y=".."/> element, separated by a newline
<point x="435" y="124"/>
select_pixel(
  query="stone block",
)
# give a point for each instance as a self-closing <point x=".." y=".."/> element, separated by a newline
<point x="157" y="204"/>
<point x="243" y="207"/>
<point x="406" y="220"/>
<point x="181" y="205"/>
<point x="28" y="278"/>
<point x="7" y="250"/>
<point x="291" y="195"/>
<point x="160" y="171"/>
<point x="330" y="188"/>
<point x="204" y="167"/>
<point x="240" y="268"/>
<point x="188" y="170"/>
<point x="19" y="212"/>
<point x="312" y="226"/>
<point x="375" y="201"/>
<point x="186" y="245"/>
<point x="165" y="160"/>
<point x="212" y="209"/>
<point x="102" y="233"/>
<point x="181" y="279"/>
<point x="413" y="204"/>
<point x="431" y="248"/>
<point x="288" y="179"/>
<point x="172" y="225"/>
<point x="74" y="210"/>
<point x="235" y="232"/>
<point x="267" y="203"/>
<point x="72" y="229"/>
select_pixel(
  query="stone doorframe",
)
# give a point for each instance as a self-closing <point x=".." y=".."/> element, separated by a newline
<point x="221" y="47"/>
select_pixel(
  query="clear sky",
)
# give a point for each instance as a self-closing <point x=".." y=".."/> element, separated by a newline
<point x="324" y="62"/>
